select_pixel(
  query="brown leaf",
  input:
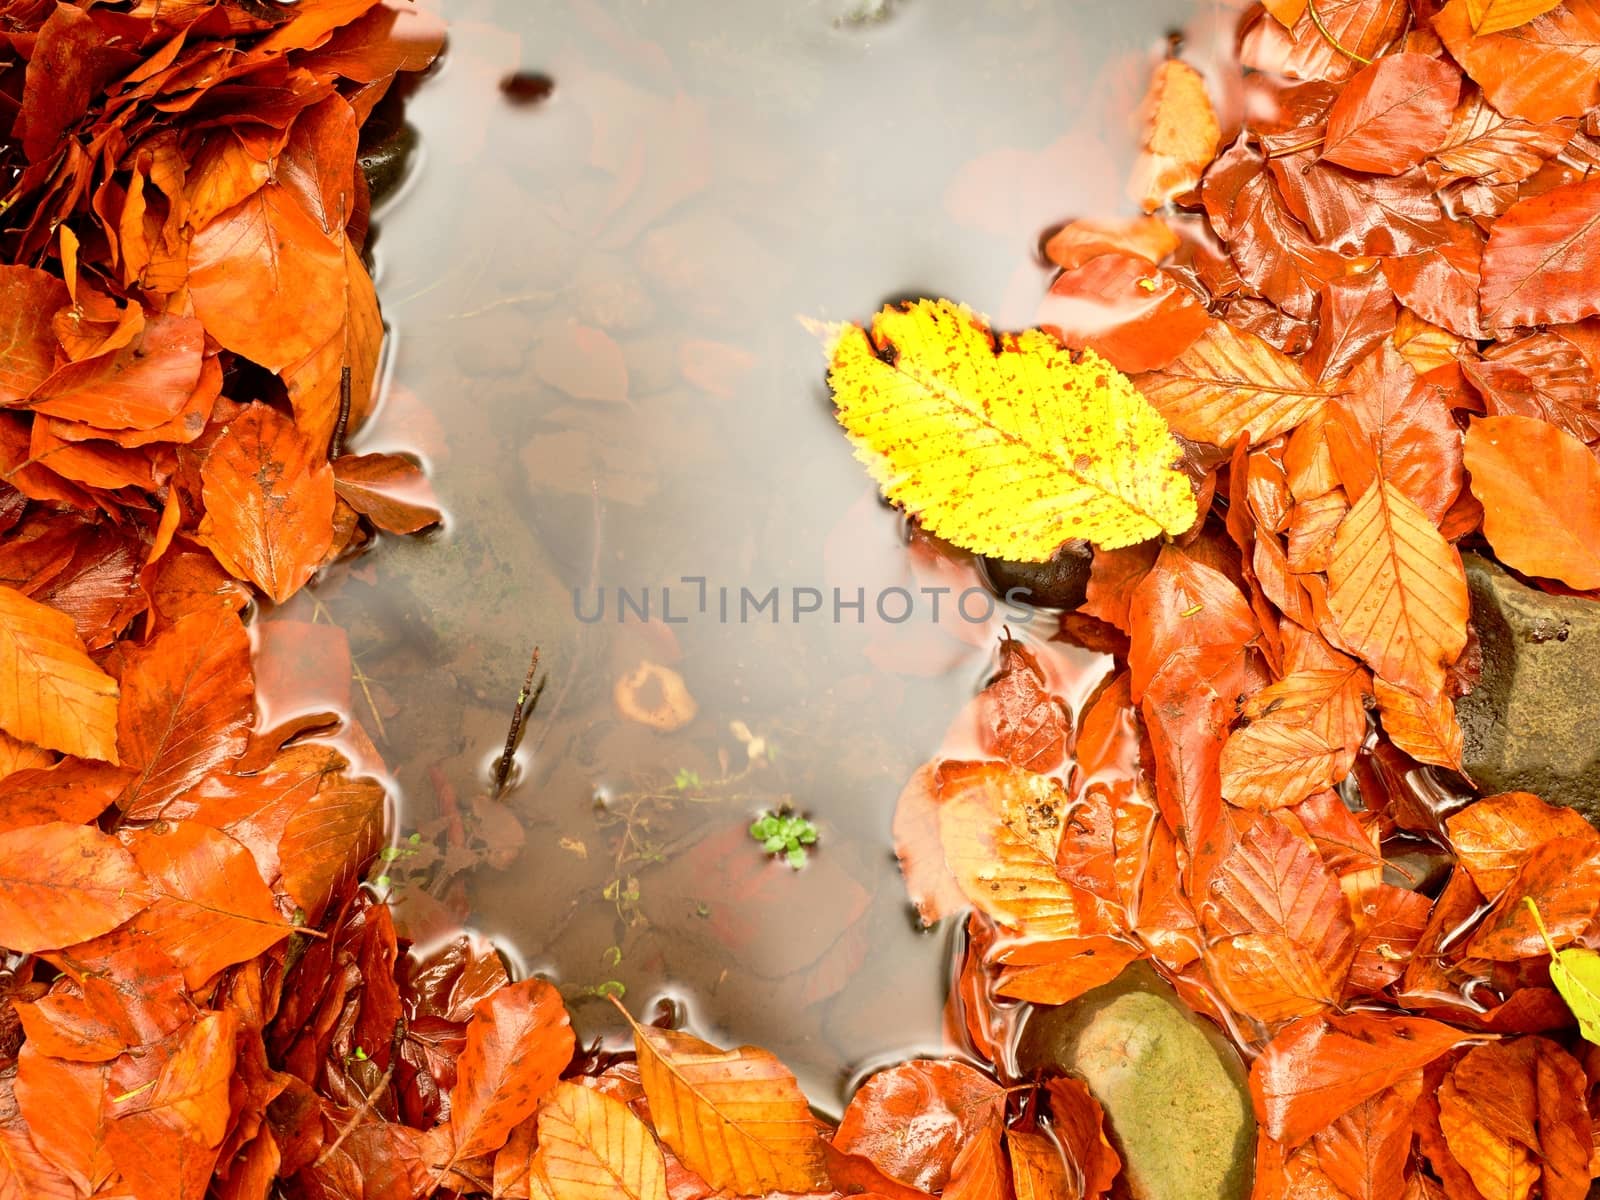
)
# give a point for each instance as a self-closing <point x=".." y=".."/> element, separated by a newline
<point x="390" y="490"/>
<point x="1079" y="1125"/>
<point x="1544" y="253"/>
<point x="51" y="694"/>
<point x="737" y="1117"/>
<point x="1019" y="720"/>
<point x="1358" y="31"/>
<point x="328" y="842"/>
<point x="269" y="505"/>
<point x="64" y="884"/>
<point x="518" y="1042"/>
<point x="1392" y="114"/>
<point x="1364" y="1151"/>
<point x="28" y="345"/>
<point x="1493" y="837"/>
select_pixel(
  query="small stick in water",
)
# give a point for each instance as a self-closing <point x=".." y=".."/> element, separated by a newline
<point x="336" y="444"/>
<point x="502" y="768"/>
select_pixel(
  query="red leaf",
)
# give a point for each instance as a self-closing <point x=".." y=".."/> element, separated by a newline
<point x="1019" y="720"/>
<point x="1134" y="315"/>
<point x="61" y="884"/>
<point x="1544" y="255"/>
<point x="28" y="345"/>
<point x="913" y="1120"/>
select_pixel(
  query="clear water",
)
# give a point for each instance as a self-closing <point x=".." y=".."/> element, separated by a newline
<point x="596" y="351"/>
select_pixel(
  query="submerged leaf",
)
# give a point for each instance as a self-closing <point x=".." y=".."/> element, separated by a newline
<point x="1003" y="443"/>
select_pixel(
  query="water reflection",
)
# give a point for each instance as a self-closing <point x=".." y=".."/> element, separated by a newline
<point x="594" y="279"/>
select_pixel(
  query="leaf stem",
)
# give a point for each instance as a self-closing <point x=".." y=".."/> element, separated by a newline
<point x="1539" y="921"/>
<point x="1327" y="35"/>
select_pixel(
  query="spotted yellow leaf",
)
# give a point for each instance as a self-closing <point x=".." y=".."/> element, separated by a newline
<point x="1003" y="443"/>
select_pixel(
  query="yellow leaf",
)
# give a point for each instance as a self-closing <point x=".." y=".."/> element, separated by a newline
<point x="1229" y="383"/>
<point x="592" y="1147"/>
<point x="1181" y="136"/>
<point x="1496" y="16"/>
<point x="736" y="1118"/>
<point x="1001" y="443"/>
<point x="1425" y="728"/>
<point x="1396" y="590"/>
<point x="51" y="693"/>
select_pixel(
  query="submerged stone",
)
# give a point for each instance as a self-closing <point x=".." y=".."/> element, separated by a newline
<point x="1058" y="582"/>
<point x="1532" y="723"/>
<point x="1174" y="1092"/>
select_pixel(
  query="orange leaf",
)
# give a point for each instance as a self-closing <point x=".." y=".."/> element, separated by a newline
<point x="51" y="694"/>
<point x="1231" y="384"/>
<point x="330" y="839"/>
<point x="28" y="346"/>
<point x="1501" y="1169"/>
<point x="737" y="1117"/>
<point x="1392" y="114"/>
<point x="188" y="697"/>
<point x="980" y="1169"/>
<point x="1181" y="136"/>
<point x="1273" y="764"/>
<point x="1425" y="728"/>
<point x="137" y="386"/>
<point x="61" y="884"/>
<point x="1561" y="876"/>
<point x="269" y="506"/>
<point x="519" y="1040"/>
<point x="1018" y="719"/>
<point x="190" y="1090"/>
<point x="1038" y="1170"/>
<point x="1396" y="590"/>
<point x="1364" y="1151"/>
<point x="1540" y="490"/>
<point x="390" y="490"/>
<point x="1494" y="836"/>
<point x="1496" y="16"/>
<point x="1321" y="1067"/>
<point x="592" y="1147"/>
<point x="212" y="908"/>
<point x="1079" y="1125"/>
<point x="1540" y="71"/>
<point x="1280" y="939"/>
<point x="1543" y="253"/>
<point x="947" y="1104"/>
<point x="1075" y="244"/>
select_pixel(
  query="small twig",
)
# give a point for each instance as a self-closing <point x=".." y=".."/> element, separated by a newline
<point x="1316" y="19"/>
<point x="378" y="1089"/>
<point x="336" y="443"/>
<point x="1308" y="144"/>
<point x="502" y="769"/>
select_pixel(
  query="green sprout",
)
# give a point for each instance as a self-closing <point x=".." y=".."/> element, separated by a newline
<point x="686" y="780"/>
<point x="785" y="833"/>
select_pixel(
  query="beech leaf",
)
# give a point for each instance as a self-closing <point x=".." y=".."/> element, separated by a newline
<point x="1392" y="114"/>
<point x="51" y="694"/>
<point x="519" y="1040"/>
<point x="1540" y="491"/>
<point x="61" y="884"/>
<point x="736" y="1118"/>
<point x="1496" y="16"/>
<point x="1002" y="443"/>
<point x="1542" y="258"/>
<point x="592" y="1147"/>
<point x="1397" y="591"/>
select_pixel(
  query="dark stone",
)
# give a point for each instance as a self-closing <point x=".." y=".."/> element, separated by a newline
<point x="1175" y="1093"/>
<point x="1532" y="722"/>
<point x="1059" y="582"/>
<point x="383" y="160"/>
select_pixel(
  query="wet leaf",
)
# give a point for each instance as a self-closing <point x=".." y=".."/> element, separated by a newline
<point x="1396" y="590"/>
<point x="1575" y="972"/>
<point x="52" y="694"/>
<point x="269" y="506"/>
<point x="64" y="884"/>
<point x="1541" y="510"/>
<point x="1231" y="384"/>
<point x="1560" y="876"/>
<point x="1392" y="114"/>
<point x="390" y="490"/>
<point x="912" y="1121"/>
<point x="737" y="1117"/>
<point x="1496" y="16"/>
<point x="519" y="1041"/>
<point x="592" y="1147"/>
<point x="1494" y="836"/>
<point x="1181" y="136"/>
<point x="1021" y="722"/>
<point x="1540" y="71"/>
<point x="1542" y="256"/>
<point x="1070" y="446"/>
<point x="1424" y="727"/>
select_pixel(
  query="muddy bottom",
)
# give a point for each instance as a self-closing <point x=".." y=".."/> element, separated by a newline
<point x="593" y="274"/>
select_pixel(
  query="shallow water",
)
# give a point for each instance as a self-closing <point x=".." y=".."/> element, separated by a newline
<point x="594" y="295"/>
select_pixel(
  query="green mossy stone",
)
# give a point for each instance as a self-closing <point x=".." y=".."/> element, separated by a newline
<point x="1175" y="1093"/>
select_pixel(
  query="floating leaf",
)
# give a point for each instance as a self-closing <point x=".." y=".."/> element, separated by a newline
<point x="948" y="1103"/>
<point x="51" y="694"/>
<point x="1003" y="443"/>
<point x="1494" y="836"/>
<point x="1181" y="136"/>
